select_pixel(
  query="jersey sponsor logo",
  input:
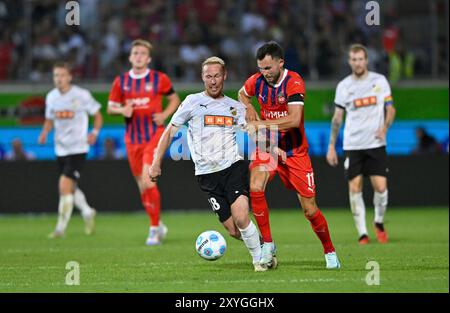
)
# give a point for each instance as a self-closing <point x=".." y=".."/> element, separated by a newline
<point x="271" y="115"/>
<point x="218" y="120"/>
<point x="363" y="102"/>
<point x="138" y="102"/>
<point x="66" y="114"/>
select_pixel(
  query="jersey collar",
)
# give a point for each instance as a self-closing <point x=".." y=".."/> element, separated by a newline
<point x="282" y="79"/>
<point x="134" y="76"/>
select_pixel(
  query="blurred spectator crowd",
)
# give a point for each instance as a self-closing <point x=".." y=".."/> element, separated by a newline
<point x="315" y="35"/>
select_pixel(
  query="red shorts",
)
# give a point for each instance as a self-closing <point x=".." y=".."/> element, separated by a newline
<point x="296" y="173"/>
<point x="140" y="154"/>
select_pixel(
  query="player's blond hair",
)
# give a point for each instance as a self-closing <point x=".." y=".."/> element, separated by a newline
<point x="63" y="64"/>
<point x="142" y="43"/>
<point x="214" y="60"/>
<point x="356" y="47"/>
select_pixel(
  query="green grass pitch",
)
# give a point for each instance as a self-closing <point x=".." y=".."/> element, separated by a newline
<point x="115" y="258"/>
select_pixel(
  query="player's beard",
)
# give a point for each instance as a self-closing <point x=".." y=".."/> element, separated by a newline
<point x="273" y="79"/>
<point x="360" y="73"/>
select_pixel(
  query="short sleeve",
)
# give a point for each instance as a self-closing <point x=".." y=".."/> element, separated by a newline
<point x="49" y="113"/>
<point x="165" y="86"/>
<point x="90" y="104"/>
<point x="386" y="92"/>
<point x="250" y="85"/>
<point x="115" y="95"/>
<point x="295" y="90"/>
<point x="183" y="113"/>
<point x="339" y="98"/>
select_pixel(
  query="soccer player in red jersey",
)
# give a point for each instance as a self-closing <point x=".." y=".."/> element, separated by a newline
<point x="137" y="95"/>
<point x="280" y="93"/>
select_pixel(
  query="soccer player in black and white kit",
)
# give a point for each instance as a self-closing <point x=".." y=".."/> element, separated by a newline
<point x="221" y="172"/>
<point x="366" y="98"/>
<point x="67" y="109"/>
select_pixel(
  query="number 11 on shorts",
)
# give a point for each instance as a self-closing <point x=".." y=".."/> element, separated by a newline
<point x="310" y="177"/>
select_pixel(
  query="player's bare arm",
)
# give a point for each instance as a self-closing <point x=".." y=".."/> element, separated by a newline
<point x="115" y="108"/>
<point x="251" y="114"/>
<point x="292" y="119"/>
<point x="336" y="123"/>
<point x="46" y="128"/>
<point x="172" y="105"/>
<point x="98" y="123"/>
<point x="389" y="119"/>
<point x="164" y="142"/>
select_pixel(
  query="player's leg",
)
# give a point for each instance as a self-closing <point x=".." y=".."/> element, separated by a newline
<point x="150" y="192"/>
<point x="236" y="186"/>
<point x="353" y="165"/>
<point x="248" y="230"/>
<point x="320" y="227"/>
<point x="380" y="201"/>
<point x="66" y="188"/>
<point x="135" y="155"/>
<point x="376" y="168"/>
<point x="87" y="212"/>
<point x="297" y="174"/>
<point x="358" y="208"/>
<point x="262" y="170"/>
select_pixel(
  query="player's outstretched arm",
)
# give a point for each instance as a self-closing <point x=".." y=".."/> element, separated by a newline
<point x="46" y="128"/>
<point x="336" y="123"/>
<point x="251" y="114"/>
<point x="163" y="144"/>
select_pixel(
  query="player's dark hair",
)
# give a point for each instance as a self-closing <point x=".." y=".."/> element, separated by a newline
<point x="270" y="48"/>
<point x="63" y="64"/>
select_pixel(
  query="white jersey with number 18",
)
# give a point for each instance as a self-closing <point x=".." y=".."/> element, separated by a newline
<point x="212" y="127"/>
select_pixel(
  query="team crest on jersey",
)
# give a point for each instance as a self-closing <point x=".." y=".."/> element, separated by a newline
<point x="75" y="103"/>
<point x="281" y="98"/>
<point x="233" y="111"/>
<point x="376" y="88"/>
<point x="148" y="87"/>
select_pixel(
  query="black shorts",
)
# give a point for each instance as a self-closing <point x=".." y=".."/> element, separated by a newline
<point x="369" y="162"/>
<point x="224" y="187"/>
<point x="71" y="165"/>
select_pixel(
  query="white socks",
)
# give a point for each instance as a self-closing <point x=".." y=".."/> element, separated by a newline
<point x="380" y="201"/>
<point x="250" y="236"/>
<point x="65" y="209"/>
<point x="81" y="203"/>
<point x="359" y="212"/>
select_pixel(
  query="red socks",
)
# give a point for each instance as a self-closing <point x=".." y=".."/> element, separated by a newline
<point x="261" y="214"/>
<point x="320" y="227"/>
<point x="151" y="200"/>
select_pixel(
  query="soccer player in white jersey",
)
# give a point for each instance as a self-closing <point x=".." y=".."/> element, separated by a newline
<point x="222" y="173"/>
<point x="67" y="109"/>
<point x="366" y="98"/>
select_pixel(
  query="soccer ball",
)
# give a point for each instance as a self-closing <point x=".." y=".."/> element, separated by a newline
<point x="210" y="245"/>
